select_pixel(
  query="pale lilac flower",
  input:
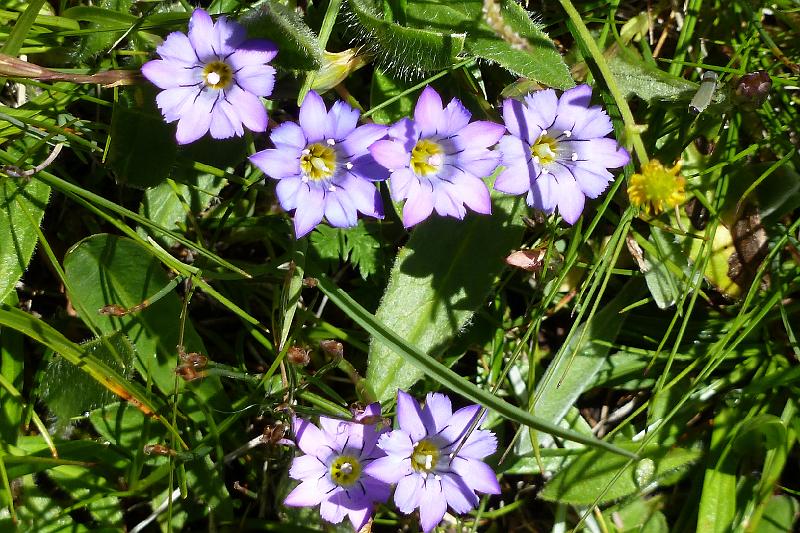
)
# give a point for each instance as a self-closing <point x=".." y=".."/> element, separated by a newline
<point x="438" y="159"/>
<point x="422" y="458"/>
<point x="212" y="79"/>
<point x="557" y="150"/>
<point x="332" y="473"/>
<point x="323" y="166"/>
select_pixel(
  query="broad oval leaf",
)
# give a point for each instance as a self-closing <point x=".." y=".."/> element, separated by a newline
<point x="22" y="205"/>
<point x="103" y="270"/>
<point x="439" y="278"/>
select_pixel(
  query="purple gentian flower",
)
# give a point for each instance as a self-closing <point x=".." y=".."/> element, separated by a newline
<point x="332" y="473"/>
<point x="557" y="151"/>
<point x="422" y="458"/>
<point x="438" y="159"/>
<point x="323" y="165"/>
<point x="212" y="79"/>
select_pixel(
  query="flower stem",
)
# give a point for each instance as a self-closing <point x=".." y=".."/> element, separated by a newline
<point x="631" y="128"/>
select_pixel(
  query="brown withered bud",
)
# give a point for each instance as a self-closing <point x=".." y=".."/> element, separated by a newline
<point x="332" y="348"/>
<point x="189" y="372"/>
<point x="194" y="359"/>
<point x="298" y="356"/>
<point x="273" y="434"/>
<point x="704" y="146"/>
<point x="284" y="408"/>
<point x="310" y="282"/>
<point x="752" y="89"/>
<point x="112" y="310"/>
<point x="697" y="213"/>
<point x="158" y="449"/>
<point x="530" y="260"/>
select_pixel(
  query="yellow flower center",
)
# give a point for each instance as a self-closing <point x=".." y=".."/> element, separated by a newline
<point x="345" y="470"/>
<point x="544" y="150"/>
<point x="425" y="456"/>
<point x="657" y="187"/>
<point x="426" y="157"/>
<point x="217" y="75"/>
<point x="318" y="161"/>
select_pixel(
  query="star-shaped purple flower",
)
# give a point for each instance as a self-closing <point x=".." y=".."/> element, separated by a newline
<point x="422" y="459"/>
<point x="438" y="159"/>
<point x="323" y="165"/>
<point x="332" y="473"/>
<point x="557" y="150"/>
<point x="212" y="79"/>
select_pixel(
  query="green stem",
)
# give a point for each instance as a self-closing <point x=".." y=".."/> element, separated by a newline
<point x="631" y="129"/>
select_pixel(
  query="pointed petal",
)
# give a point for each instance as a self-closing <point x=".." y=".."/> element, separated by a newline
<point x="277" y="163"/>
<point x="456" y="117"/>
<point x="313" y="115"/>
<point x="358" y="142"/>
<point x="310" y="208"/>
<point x="459" y="496"/>
<point x="479" y="134"/>
<point x="339" y="209"/>
<point x="202" y="36"/>
<point x="409" y="416"/>
<point x="178" y="48"/>
<point x="340" y="121"/>
<point x="440" y="409"/>
<point x="428" y="113"/>
<point x="419" y="204"/>
<point x="570" y="199"/>
<point x="195" y="120"/>
<point x="397" y="443"/>
<point x="331" y="509"/>
<point x="477" y="475"/>
<point x="408" y="492"/>
<point x="249" y="107"/>
<point x="306" y="494"/>
<point x="288" y="135"/>
<point x="166" y="74"/>
<point x="256" y="79"/>
<point x="433" y="504"/>
<point x="400" y="182"/>
<point x="253" y="52"/>
<point x="309" y="438"/>
<point x="388" y="469"/>
<point x="307" y="467"/>
<point x="174" y="102"/>
<point x="390" y="154"/>
<point x="474" y="193"/>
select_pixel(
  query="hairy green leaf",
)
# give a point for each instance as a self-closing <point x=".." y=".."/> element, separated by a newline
<point x="439" y="278"/>
<point x="513" y="40"/>
<point x="108" y="270"/>
<point x="447" y="377"/>
<point x="580" y="482"/>
<point x="403" y="49"/>
<point x="298" y="46"/>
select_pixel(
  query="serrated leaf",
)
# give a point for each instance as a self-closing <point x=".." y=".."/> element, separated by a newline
<point x="439" y="278"/>
<point x="22" y="205"/>
<point x="364" y="249"/>
<point x="329" y="243"/>
<point x="298" y="46"/>
<point x="580" y="482"/>
<point x="404" y="49"/>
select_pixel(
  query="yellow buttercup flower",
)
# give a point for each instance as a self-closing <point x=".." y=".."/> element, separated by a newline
<point x="657" y="187"/>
